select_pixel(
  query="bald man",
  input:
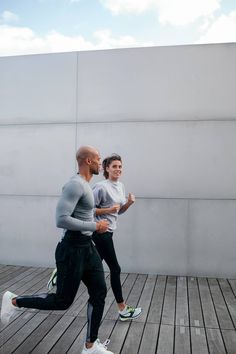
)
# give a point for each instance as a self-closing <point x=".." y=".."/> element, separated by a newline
<point x="76" y="256"/>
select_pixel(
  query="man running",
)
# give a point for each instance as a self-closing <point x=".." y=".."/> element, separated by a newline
<point x="76" y="257"/>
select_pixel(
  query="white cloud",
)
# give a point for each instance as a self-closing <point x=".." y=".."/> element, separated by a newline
<point x="8" y="16"/>
<point x="183" y="12"/>
<point x="222" y="29"/>
<point x="122" y="6"/>
<point x="106" y="40"/>
<point x="22" y="40"/>
<point x="173" y="12"/>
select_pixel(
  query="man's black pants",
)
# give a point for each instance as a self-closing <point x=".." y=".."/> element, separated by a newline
<point x="76" y="259"/>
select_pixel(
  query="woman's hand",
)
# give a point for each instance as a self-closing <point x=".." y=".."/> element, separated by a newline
<point x="115" y="208"/>
<point x="131" y="199"/>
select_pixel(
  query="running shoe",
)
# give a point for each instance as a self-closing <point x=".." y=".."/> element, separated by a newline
<point x="8" y="311"/>
<point x="98" y="348"/>
<point x="53" y="280"/>
<point x="129" y="313"/>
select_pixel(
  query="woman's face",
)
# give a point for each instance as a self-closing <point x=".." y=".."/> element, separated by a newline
<point x="114" y="170"/>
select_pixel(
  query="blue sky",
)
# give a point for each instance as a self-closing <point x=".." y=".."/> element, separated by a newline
<point x="46" y="26"/>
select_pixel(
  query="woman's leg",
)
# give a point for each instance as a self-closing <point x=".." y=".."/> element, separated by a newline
<point x="105" y="247"/>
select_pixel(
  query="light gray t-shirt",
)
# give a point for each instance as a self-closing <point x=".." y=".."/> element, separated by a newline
<point x="75" y="208"/>
<point x="106" y="194"/>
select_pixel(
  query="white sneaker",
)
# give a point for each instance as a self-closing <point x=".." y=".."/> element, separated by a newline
<point x="97" y="348"/>
<point x="53" y="280"/>
<point x="129" y="313"/>
<point x="8" y="311"/>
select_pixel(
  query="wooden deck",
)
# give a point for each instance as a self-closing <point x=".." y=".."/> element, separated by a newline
<point x="180" y="315"/>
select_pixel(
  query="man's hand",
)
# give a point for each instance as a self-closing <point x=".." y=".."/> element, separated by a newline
<point x="131" y="199"/>
<point x="115" y="208"/>
<point x="102" y="226"/>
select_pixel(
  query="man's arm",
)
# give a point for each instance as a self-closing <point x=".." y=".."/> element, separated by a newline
<point x="71" y="194"/>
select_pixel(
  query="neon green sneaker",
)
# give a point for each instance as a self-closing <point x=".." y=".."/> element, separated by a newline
<point x="129" y="313"/>
<point x="53" y="280"/>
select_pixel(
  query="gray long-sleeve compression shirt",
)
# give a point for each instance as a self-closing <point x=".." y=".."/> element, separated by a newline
<point x="75" y="208"/>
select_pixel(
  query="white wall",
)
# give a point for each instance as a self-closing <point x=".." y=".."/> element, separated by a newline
<point x="169" y="111"/>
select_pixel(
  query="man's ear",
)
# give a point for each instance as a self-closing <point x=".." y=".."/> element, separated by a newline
<point x="88" y="160"/>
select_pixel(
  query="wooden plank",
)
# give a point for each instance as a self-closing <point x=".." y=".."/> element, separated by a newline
<point x="166" y="340"/>
<point x="209" y="314"/>
<point x="118" y="336"/>
<point x="149" y="340"/>
<point x="22" y="334"/>
<point x="229" y="297"/>
<point x="68" y="337"/>
<point x="9" y="330"/>
<point x="168" y="315"/>
<point x="3" y="268"/>
<point x="182" y="316"/>
<point x="28" y="281"/>
<point x="9" y="270"/>
<point x="106" y="329"/>
<point x="37" y="335"/>
<point x="195" y="309"/>
<point x="14" y="277"/>
<point x="78" y="343"/>
<point x="182" y="340"/>
<point x="155" y="310"/>
<point x="223" y="316"/>
<point x="198" y="340"/>
<point x="135" y="292"/>
<point x="215" y="341"/>
<point x="162" y="299"/>
<point x="53" y="335"/>
<point x="232" y="283"/>
<point x="133" y="338"/>
<point x="146" y="297"/>
<point x="230" y="341"/>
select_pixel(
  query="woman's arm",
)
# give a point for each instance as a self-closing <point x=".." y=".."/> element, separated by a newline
<point x="114" y="209"/>
<point x="130" y="201"/>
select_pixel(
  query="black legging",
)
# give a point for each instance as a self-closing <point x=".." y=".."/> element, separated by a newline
<point x="105" y="247"/>
<point x="75" y="262"/>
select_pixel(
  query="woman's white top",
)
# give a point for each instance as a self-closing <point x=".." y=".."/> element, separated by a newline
<point x="106" y="194"/>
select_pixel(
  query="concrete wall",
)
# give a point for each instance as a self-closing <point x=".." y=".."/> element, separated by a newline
<point x="169" y="111"/>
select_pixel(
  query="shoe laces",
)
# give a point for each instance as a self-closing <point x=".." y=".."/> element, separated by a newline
<point x="104" y="344"/>
<point x="130" y="309"/>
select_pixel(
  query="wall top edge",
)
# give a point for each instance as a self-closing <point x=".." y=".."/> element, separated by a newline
<point x="150" y="48"/>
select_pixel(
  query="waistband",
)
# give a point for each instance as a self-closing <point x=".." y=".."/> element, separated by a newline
<point x="77" y="238"/>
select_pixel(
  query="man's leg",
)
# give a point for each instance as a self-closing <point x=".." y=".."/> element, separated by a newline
<point x="94" y="280"/>
<point x="68" y="281"/>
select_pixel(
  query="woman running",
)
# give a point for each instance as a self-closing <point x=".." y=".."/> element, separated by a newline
<point x="110" y="201"/>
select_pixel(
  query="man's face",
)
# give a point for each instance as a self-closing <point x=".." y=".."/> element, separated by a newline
<point x="95" y="165"/>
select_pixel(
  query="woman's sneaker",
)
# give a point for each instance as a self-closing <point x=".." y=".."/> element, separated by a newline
<point x="129" y="313"/>
<point x="53" y="280"/>
<point x="98" y="348"/>
<point x="8" y="311"/>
